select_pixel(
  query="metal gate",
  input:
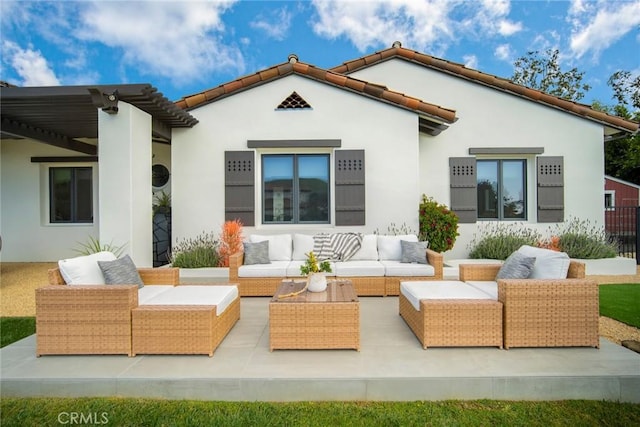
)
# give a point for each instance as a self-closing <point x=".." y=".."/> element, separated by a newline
<point x="622" y="224"/>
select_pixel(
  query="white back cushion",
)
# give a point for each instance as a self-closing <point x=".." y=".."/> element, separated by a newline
<point x="390" y="248"/>
<point x="302" y="245"/>
<point x="280" y="246"/>
<point x="549" y="264"/>
<point x="369" y="249"/>
<point x="84" y="270"/>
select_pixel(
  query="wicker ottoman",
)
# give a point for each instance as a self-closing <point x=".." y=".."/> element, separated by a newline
<point x="451" y="314"/>
<point x="185" y="320"/>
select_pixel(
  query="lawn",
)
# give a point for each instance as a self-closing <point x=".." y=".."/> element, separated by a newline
<point x="149" y="412"/>
<point x="13" y="329"/>
<point x="621" y="302"/>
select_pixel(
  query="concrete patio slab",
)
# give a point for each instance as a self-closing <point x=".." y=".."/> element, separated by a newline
<point x="391" y="366"/>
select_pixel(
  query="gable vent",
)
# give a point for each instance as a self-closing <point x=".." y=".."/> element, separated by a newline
<point x="293" y="101"/>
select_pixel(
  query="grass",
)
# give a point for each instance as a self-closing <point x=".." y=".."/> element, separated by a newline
<point x="621" y="302"/>
<point x="151" y="412"/>
<point x="13" y="329"/>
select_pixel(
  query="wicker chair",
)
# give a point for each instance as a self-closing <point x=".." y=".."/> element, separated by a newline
<point x="90" y="319"/>
<point x="545" y="312"/>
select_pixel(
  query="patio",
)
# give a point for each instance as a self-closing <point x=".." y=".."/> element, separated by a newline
<point x="390" y="366"/>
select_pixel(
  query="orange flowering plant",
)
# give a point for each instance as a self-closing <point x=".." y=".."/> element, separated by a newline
<point x="230" y="241"/>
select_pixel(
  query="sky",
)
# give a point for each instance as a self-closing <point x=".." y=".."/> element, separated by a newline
<point x="185" y="47"/>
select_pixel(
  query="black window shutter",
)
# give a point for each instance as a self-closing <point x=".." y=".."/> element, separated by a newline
<point x="239" y="186"/>
<point x="350" y="190"/>
<point x="550" y="189"/>
<point x="464" y="182"/>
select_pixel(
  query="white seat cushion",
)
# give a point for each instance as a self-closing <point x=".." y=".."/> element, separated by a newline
<point x="368" y="250"/>
<point x="549" y="264"/>
<point x="397" y="268"/>
<point x="293" y="270"/>
<point x="148" y="292"/>
<point x="280" y="245"/>
<point x="220" y="296"/>
<point x="489" y="288"/>
<point x="390" y="248"/>
<point x="275" y="269"/>
<point x="359" y="268"/>
<point x="416" y="291"/>
<point x="84" y="270"/>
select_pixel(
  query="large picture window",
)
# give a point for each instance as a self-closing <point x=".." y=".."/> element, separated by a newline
<point x="295" y="188"/>
<point x="70" y="195"/>
<point x="502" y="189"/>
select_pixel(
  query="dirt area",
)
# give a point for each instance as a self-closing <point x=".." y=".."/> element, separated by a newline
<point x="19" y="280"/>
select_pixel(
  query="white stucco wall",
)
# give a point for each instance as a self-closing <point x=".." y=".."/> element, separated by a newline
<point x="389" y="136"/>
<point x="124" y="150"/>
<point x="490" y="118"/>
<point x="27" y="235"/>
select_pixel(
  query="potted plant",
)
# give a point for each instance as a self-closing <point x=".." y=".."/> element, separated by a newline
<point x="314" y="270"/>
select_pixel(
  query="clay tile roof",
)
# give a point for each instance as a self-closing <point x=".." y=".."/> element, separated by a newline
<point x="496" y="82"/>
<point x="372" y="90"/>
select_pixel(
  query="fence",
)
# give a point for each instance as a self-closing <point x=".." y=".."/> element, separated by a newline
<point x="623" y="223"/>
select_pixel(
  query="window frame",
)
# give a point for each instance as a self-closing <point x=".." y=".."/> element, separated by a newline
<point x="500" y="182"/>
<point x="74" y="195"/>
<point x="295" y="190"/>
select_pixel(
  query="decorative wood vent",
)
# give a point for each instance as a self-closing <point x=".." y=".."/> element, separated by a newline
<point x="293" y="101"/>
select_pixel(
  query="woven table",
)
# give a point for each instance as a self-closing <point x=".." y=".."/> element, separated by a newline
<point x="315" y="320"/>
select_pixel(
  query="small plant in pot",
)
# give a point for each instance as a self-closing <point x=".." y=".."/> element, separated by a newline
<point x="314" y="270"/>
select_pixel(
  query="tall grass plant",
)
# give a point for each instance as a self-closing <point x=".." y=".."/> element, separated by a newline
<point x="498" y="240"/>
<point x="198" y="252"/>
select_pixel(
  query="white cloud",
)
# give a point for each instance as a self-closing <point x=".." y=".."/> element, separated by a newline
<point x="178" y="40"/>
<point x="276" y="26"/>
<point x="427" y="25"/>
<point x="422" y="25"/>
<point x="470" y="61"/>
<point x="504" y="52"/>
<point x="507" y="28"/>
<point x="598" y="26"/>
<point x="29" y="64"/>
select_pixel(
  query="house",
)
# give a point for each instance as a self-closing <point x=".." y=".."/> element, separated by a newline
<point x="298" y="148"/>
<point x="621" y="206"/>
<point x="618" y="192"/>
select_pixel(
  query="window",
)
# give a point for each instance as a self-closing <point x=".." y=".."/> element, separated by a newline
<point x="501" y="189"/>
<point x="70" y="195"/>
<point x="295" y="188"/>
<point x="609" y="199"/>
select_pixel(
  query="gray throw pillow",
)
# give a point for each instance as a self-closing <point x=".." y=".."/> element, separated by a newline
<point x="413" y="252"/>
<point x="256" y="253"/>
<point x="121" y="271"/>
<point x="517" y="266"/>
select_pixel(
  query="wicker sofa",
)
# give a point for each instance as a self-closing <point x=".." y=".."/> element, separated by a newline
<point x="90" y="319"/>
<point x="375" y="270"/>
<point x="543" y="312"/>
<point x="159" y="318"/>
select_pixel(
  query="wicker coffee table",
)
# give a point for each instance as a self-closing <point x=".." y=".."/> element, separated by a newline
<point x="315" y="320"/>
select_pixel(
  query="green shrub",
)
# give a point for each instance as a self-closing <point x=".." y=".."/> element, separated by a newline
<point x="499" y="240"/>
<point x="579" y="239"/>
<point x="199" y="252"/>
<point x="438" y="225"/>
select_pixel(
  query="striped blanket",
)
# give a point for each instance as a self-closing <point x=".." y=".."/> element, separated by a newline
<point x="336" y="246"/>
